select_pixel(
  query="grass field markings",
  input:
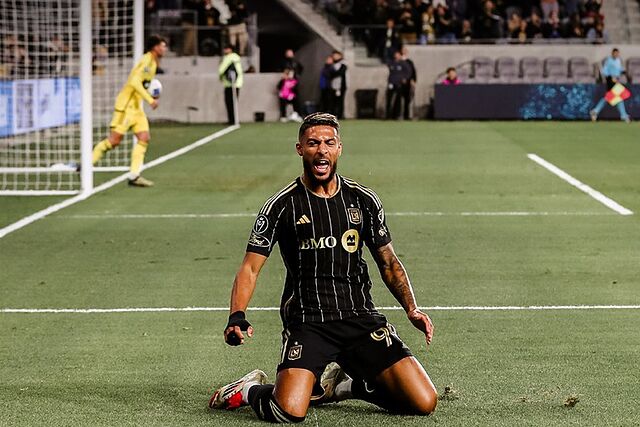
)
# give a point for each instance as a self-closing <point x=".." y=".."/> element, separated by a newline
<point x="611" y="204"/>
<point x="252" y="215"/>
<point x="387" y="308"/>
<point x="80" y="197"/>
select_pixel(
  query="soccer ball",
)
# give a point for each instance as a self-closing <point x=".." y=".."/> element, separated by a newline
<point x="155" y="88"/>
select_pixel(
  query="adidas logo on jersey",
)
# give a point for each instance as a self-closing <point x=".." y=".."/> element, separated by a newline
<point x="303" y="220"/>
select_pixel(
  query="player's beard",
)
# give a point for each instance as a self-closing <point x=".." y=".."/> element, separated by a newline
<point x="313" y="179"/>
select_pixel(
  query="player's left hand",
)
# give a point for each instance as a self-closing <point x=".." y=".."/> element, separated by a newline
<point x="422" y="322"/>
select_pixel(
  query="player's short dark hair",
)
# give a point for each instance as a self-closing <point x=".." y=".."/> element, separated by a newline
<point x="318" y="119"/>
<point x="451" y="69"/>
<point x="615" y="49"/>
<point x="155" y="40"/>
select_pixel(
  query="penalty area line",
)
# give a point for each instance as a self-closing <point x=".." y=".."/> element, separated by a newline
<point x="85" y="195"/>
<point x="611" y="204"/>
<point x="389" y="308"/>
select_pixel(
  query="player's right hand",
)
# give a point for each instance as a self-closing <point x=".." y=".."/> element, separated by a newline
<point x="154" y="104"/>
<point x="236" y="328"/>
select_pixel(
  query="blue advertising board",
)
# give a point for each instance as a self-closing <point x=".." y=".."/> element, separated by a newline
<point x="31" y="105"/>
<point x="526" y="102"/>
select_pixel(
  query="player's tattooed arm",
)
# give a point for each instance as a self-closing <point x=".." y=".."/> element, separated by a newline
<point x="395" y="277"/>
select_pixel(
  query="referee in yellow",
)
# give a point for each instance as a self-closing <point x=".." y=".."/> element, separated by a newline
<point x="128" y="112"/>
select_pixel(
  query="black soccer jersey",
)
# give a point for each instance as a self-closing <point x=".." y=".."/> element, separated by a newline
<point x="321" y="241"/>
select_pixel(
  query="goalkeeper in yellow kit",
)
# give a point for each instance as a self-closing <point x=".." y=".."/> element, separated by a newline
<point x="129" y="114"/>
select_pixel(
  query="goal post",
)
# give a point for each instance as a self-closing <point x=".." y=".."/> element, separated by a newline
<point x="62" y="64"/>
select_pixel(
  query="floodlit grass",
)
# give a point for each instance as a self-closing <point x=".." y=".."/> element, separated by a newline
<point x="499" y="367"/>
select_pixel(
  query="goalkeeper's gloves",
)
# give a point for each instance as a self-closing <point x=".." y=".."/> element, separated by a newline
<point x="236" y="319"/>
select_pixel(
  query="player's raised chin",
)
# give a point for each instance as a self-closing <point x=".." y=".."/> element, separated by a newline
<point x="320" y="147"/>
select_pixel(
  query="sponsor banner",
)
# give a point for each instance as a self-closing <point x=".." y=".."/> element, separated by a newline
<point x="6" y="103"/>
<point x="544" y="101"/>
<point x="35" y="104"/>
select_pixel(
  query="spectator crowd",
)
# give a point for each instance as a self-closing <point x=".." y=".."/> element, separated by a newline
<point x="204" y="26"/>
<point x="466" y="21"/>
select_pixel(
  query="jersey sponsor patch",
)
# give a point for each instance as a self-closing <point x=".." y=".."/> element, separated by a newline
<point x="328" y="242"/>
<point x="258" y="240"/>
<point x="350" y="240"/>
<point x="295" y="352"/>
<point x="355" y="215"/>
<point x="261" y="224"/>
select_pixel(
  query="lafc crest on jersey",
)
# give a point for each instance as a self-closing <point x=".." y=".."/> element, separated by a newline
<point x="355" y="215"/>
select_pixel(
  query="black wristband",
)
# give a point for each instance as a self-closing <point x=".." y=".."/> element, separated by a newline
<point x="238" y="319"/>
<point x="237" y="316"/>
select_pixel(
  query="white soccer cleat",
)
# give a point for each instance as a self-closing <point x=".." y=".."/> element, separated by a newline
<point x="230" y="396"/>
<point x="593" y="115"/>
<point x="331" y="377"/>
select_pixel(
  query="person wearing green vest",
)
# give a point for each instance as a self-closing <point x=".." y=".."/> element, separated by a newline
<point x="230" y="74"/>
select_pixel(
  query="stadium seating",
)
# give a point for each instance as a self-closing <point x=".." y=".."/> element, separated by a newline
<point x="532" y="69"/>
<point x="555" y="70"/>
<point x="633" y="69"/>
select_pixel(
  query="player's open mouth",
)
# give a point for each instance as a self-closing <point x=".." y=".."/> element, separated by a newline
<point x="321" y="166"/>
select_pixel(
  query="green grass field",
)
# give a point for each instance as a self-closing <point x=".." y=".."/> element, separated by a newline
<point x="475" y="222"/>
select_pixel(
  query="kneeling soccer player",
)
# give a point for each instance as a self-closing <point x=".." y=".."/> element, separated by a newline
<point x="321" y="222"/>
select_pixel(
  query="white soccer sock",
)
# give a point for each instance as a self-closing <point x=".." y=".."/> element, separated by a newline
<point x="343" y="390"/>
<point x="245" y="390"/>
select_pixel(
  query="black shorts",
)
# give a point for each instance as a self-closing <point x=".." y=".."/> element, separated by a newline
<point x="362" y="346"/>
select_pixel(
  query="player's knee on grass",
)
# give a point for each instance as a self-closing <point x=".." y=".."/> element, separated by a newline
<point x="427" y="405"/>
<point x="267" y="408"/>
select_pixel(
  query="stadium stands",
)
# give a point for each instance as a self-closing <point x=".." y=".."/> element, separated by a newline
<point x="531" y="69"/>
<point x="633" y="69"/>
<point x="490" y="21"/>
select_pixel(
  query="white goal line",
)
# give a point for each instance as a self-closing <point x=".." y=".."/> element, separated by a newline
<point x="389" y="308"/>
<point x="611" y="204"/>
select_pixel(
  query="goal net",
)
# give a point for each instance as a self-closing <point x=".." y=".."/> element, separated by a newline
<point x="43" y="107"/>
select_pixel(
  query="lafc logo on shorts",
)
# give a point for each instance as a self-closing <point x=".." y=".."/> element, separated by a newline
<point x="355" y="215"/>
<point x="303" y="220"/>
<point x="350" y="240"/>
<point x="295" y="352"/>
